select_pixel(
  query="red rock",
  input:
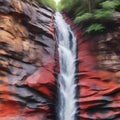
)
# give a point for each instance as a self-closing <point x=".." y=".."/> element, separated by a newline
<point x="28" y="61"/>
<point x="42" y="80"/>
<point x="99" y="89"/>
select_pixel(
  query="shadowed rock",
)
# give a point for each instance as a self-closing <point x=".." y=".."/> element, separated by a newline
<point x="98" y="75"/>
<point x="27" y="61"/>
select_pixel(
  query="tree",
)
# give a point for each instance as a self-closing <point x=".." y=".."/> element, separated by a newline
<point x="91" y="12"/>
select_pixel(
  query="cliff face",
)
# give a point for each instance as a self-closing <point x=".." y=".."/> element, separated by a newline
<point x="99" y="74"/>
<point x="27" y="61"/>
<point x="29" y="65"/>
<point x="99" y="77"/>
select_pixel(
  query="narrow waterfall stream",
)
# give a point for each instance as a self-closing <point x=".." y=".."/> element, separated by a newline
<point x="67" y="108"/>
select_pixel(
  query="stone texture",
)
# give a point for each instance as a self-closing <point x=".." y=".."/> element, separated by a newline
<point x="29" y="65"/>
<point x="27" y="61"/>
<point x="108" y="50"/>
<point x="98" y="74"/>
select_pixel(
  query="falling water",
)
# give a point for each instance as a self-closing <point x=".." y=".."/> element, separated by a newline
<point x="67" y="108"/>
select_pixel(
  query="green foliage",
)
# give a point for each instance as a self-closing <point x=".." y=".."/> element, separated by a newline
<point x="95" y="27"/>
<point x="110" y="4"/>
<point x="83" y="17"/>
<point x="50" y="3"/>
<point x="103" y="14"/>
<point x="67" y="4"/>
<point x="90" y="12"/>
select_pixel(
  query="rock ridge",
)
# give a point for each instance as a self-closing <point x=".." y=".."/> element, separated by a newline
<point x="27" y="61"/>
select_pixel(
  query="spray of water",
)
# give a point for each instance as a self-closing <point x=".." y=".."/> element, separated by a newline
<point x="67" y="108"/>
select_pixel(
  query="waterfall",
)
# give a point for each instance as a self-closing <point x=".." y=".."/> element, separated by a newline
<point x="66" y="39"/>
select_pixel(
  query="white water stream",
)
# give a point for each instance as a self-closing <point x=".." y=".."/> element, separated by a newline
<point x="66" y="39"/>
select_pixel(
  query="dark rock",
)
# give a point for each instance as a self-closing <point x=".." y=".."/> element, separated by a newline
<point x="98" y="74"/>
<point x="27" y="61"/>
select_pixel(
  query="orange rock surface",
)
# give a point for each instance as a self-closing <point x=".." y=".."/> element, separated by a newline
<point x="27" y="61"/>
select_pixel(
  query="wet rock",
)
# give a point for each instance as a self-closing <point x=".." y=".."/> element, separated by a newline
<point x="27" y="61"/>
<point x="98" y="75"/>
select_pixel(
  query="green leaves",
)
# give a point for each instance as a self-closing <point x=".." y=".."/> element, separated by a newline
<point x="103" y="14"/>
<point x="94" y="12"/>
<point x="95" y="27"/>
<point x="84" y="17"/>
<point x="50" y="3"/>
<point x="110" y="4"/>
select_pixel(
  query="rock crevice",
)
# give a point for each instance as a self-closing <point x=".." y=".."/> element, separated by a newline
<point x="27" y="61"/>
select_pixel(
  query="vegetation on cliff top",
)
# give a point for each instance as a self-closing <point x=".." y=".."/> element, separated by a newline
<point x="50" y="3"/>
<point x="93" y="14"/>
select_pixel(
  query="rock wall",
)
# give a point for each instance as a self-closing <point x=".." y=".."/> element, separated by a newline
<point x="27" y="61"/>
<point x="29" y="65"/>
<point x="98" y="74"/>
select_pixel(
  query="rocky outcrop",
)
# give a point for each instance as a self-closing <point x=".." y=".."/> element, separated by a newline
<point x="98" y="80"/>
<point x="98" y="74"/>
<point x="29" y="65"/>
<point x="27" y="61"/>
